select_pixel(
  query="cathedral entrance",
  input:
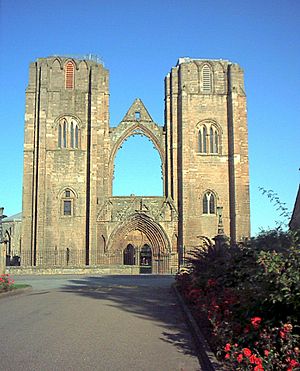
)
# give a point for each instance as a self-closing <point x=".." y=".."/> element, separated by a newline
<point x="141" y="242"/>
<point x="146" y="259"/>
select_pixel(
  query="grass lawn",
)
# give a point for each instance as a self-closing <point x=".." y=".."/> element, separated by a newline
<point x="19" y="286"/>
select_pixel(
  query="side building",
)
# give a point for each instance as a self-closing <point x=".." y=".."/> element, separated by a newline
<point x="11" y="236"/>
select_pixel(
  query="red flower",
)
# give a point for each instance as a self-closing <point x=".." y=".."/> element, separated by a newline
<point x="266" y="352"/>
<point x="282" y="334"/>
<point x="255" y="321"/>
<point x="258" y="368"/>
<point x="227" y="356"/>
<point x="227" y="347"/>
<point x="258" y="361"/>
<point x="239" y="358"/>
<point x="287" y="327"/>
<point x="293" y="363"/>
<point x="255" y="360"/>
<point x="247" y="352"/>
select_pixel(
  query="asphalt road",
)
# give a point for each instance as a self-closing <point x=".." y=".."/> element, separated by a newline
<point x="95" y="323"/>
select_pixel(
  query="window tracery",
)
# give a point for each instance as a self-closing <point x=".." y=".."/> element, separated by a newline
<point x="209" y="203"/>
<point x="208" y="139"/>
<point x="68" y="133"/>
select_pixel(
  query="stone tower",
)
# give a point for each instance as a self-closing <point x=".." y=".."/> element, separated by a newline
<point x="71" y="218"/>
<point x="65" y="151"/>
<point x="207" y="148"/>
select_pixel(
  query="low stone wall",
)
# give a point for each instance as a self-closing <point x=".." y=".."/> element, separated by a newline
<point x="105" y="270"/>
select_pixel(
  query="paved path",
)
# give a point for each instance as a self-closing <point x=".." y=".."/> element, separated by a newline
<point x="104" y="323"/>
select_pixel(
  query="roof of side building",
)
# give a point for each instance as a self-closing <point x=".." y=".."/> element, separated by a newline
<point x="13" y="218"/>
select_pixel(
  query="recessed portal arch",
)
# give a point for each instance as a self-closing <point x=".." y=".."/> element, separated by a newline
<point x="139" y="230"/>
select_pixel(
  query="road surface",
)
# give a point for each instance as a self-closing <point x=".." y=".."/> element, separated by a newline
<point x="95" y="323"/>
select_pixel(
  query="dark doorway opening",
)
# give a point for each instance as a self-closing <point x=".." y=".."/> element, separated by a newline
<point x="146" y="259"/>
<point x="129" y="255"/>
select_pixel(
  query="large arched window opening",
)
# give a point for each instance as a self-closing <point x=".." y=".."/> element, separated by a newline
<point x="137" y="168"/>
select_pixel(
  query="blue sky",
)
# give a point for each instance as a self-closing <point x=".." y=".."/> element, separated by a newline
<point x="139" y="42"/>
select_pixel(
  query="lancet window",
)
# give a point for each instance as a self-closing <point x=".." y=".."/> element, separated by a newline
<point x="208" y="139"/>
<point x="206" y="77"/>
<point x="69" y="75"/>
<point x="213" y="140"/>
<point x="202" y="139"/>
<point x="209" y="203"/>
<point x="68" y="133"/>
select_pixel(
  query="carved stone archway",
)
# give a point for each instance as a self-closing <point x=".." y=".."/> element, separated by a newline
<point x="140" y="229"/>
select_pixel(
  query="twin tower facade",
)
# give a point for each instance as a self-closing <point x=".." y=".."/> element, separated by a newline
<point x="70" y="216"/>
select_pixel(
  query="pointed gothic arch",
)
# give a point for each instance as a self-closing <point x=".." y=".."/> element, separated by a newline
<point x="56" y="62"/>
<point x="136" y="128"/>
<point x="156" y="236"/>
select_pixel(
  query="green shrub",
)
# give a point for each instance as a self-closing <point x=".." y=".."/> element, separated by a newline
<point x="234" y="285"/>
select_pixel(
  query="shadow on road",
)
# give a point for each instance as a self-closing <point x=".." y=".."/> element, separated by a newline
<point x="148" y="297"/>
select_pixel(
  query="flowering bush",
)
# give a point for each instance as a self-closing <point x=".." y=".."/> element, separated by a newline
<point x="6" y="282"/>
<point x="250" y="296"/>
<point x="271" y="348"/>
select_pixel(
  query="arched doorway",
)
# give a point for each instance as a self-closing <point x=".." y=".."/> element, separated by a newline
<point x="150" y="242"/>
<point x="129" y="255"/>
<point x="146" y="259"/>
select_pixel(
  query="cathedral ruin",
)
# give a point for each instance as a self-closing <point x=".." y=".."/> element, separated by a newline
<point x="71" y="218"/>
